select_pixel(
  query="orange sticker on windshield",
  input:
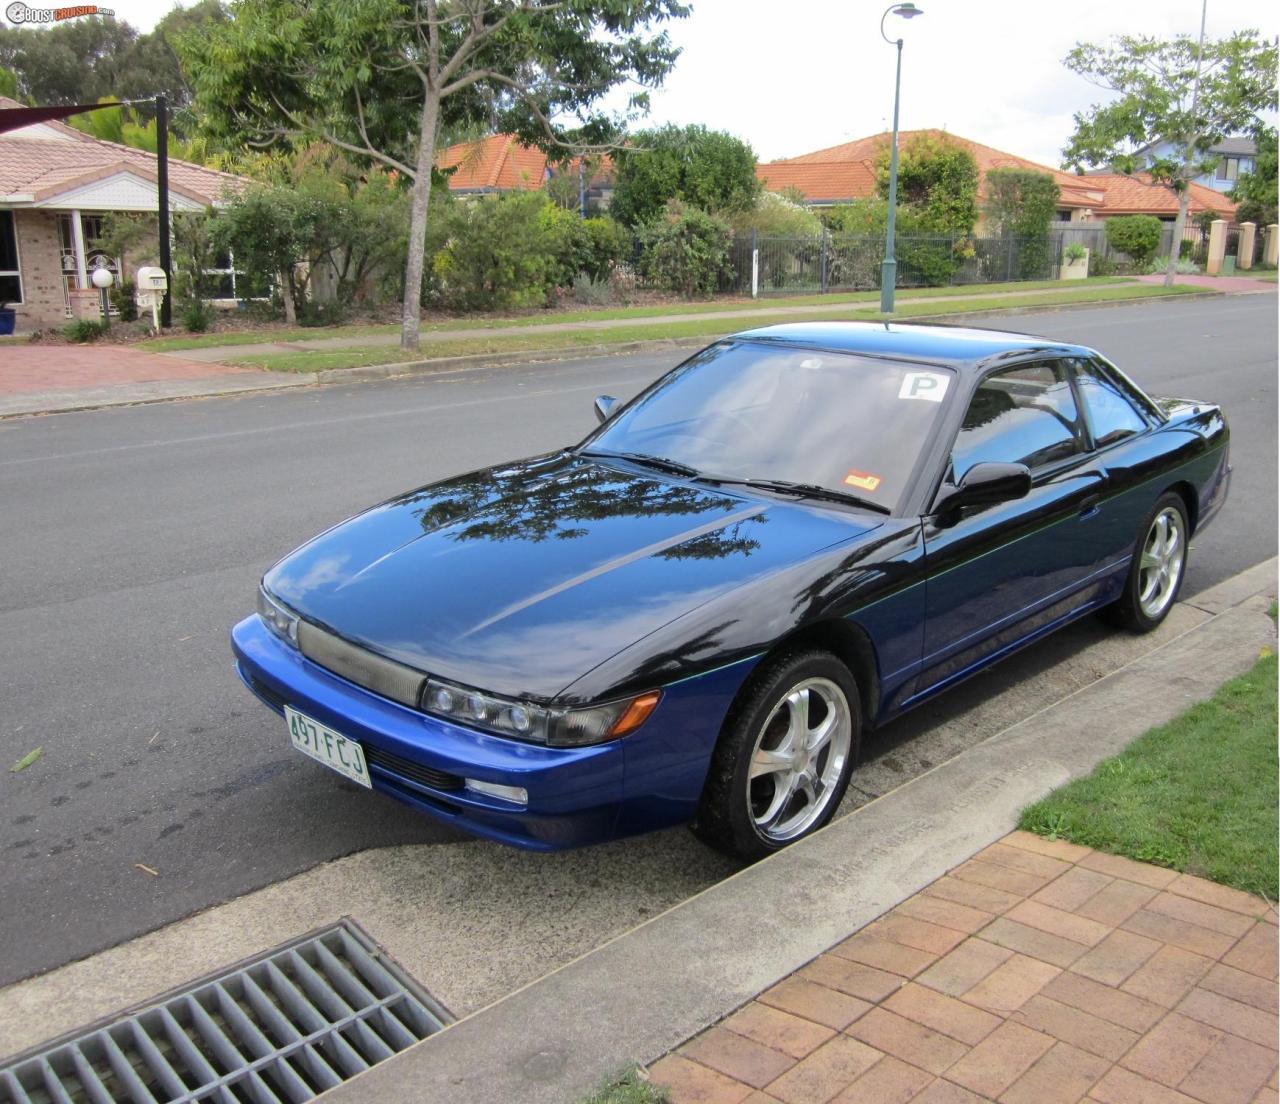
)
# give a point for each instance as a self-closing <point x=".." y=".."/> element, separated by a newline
<point x="864" y="481"/>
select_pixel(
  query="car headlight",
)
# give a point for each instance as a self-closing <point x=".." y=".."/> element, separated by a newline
<point x="536" y="723"/>
<point x="278" y="619"/>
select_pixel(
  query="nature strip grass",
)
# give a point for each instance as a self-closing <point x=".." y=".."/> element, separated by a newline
<point x="1198" y="794"/>
<point x="364" y="355"/>
<point x="549" y="318"/>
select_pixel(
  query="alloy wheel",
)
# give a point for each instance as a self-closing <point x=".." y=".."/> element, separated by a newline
<point x="798" y="759"/>
<point x="1164" y="551"/>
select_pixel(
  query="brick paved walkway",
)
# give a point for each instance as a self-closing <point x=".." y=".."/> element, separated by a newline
<point x="43" y="368"/>
<point x="1036" y="972"/>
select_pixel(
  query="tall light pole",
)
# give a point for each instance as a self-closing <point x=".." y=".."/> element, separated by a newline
<point x="889" y="269"/>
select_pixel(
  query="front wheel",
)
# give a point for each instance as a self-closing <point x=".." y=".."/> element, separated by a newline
<point x="1159" y="563"/>
<point x="783" y="761"/>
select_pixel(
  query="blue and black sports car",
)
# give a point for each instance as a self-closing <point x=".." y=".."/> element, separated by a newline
<point x="698" y="613"/>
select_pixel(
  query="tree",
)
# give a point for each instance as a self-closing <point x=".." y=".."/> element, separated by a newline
<point x="77" y="61"/>
<point x="1256" y="191"/>
<point x="1020" y="204"/>
<point x="1187" y="94"/>
<point x="379" y="78"/>
<point x="703" y="168"/>
<point x="937" y="182"/>
<point x="685" y="250"/>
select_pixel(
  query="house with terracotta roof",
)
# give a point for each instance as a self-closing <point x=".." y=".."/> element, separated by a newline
<point x="57" y="185"/>
<point x="847" y="172"/>
<point x="501" y="163"/>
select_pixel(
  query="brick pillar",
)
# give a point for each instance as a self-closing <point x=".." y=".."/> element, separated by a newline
<point x="1271" y="247"/>
<point x="86" y="304"/>
<point x="1244" y="251"/>
<point x="1217" y="246"/>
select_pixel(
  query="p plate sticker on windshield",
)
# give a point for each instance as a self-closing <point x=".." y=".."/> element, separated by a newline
<point x="930" y="386"/>
<point x="864" y="481"/>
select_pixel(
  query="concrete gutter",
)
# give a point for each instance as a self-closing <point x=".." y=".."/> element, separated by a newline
<point x="645" y="992"/>
<point x="138" y="394"/>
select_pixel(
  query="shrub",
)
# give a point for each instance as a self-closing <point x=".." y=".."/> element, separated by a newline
<point x="122" y="299"/>
<point x="777" y="215"/>
<point x="1020" y="204"/>
<point x="507" y="251"/>
<point x="1136" y="236"/>
<point x="592" y="293"/>
<point x="685" y="251"/>
<point x="197" y="315"/>
<point x="603" y="244"/>
<point x="329" y="313"/>
<point x="1075" y="252"/>
<point x="82" y="330"/>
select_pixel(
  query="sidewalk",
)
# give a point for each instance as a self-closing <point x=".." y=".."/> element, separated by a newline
<point x="644" y="995"/>
<point x="1035" y="972"/>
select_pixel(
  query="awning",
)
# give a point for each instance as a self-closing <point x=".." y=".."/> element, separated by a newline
<point x="12" y="118"/>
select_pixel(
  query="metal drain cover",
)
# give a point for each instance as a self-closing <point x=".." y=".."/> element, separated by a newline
<point x="282" y="1027"/>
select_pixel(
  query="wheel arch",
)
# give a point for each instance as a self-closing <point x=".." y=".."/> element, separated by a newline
<point x="850" y="644"/>
<point x="1190" y="499"/>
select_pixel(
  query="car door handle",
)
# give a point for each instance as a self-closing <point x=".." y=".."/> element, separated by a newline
<point x="1090" y="505"/>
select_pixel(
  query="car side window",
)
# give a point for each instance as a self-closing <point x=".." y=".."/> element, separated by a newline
<point x="1112" y="415"/>
<point x="1023" y="415"/>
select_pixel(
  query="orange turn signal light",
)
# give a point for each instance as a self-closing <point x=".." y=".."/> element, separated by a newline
<point x="636" y="713"/>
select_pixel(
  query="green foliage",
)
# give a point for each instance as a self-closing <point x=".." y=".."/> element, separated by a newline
<point x="778" y="215"/>
<point x="507" y="251"/>
<point x="123" y="301"/>
<point x="1156" y="99"/>
<point x="1077" y="252"/>
<point x="629" y="1087"/>
<point x="1136" y="236"/>
<point x="196" y="315"/>
<point x="1255" y="192"/>
<point x="937" y="184"/>
<point x="709" y="169"/>
<point x="592" y="293"/>
<point x="83" y="330"/>
<point x="1020" y="204"/>
<point x="604" y="244"/>
<point x="86" y="60"/>
<point x="8" y="83"/>
<point x="685" y="250"/>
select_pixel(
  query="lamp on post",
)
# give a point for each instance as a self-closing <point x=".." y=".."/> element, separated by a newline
<point x="102" y="279"/>
<point x="889" y="269"/>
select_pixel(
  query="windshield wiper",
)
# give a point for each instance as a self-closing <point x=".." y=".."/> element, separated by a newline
<point x="809" y="490"/>
<point x="661" y="463"/>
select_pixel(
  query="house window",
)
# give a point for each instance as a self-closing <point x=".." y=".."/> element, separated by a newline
<point x="1229" y="168"/>
<point x="10" y="276"/>
<point x="225" y="281"/>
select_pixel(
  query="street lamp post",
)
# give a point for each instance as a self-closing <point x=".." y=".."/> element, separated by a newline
<point x="889" y="269"/>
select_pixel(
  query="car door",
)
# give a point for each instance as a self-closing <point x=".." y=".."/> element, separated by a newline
<point x="997" y="575"/>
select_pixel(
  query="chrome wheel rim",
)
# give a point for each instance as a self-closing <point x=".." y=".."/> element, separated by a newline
<point x="1163" y="553"/>
<point x="798" y="758"/>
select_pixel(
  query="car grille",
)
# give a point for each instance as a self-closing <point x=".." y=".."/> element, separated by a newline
<point x="359" y="665"/>
<point x="414" y="772"/>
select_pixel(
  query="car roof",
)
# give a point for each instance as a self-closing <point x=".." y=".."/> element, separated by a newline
<point x="955" y="346"/>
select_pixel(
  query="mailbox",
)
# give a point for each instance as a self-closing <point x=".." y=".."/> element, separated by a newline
<point x="152" y="279"/>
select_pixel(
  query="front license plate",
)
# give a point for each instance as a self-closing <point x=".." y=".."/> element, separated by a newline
<point x="328" y="747"/>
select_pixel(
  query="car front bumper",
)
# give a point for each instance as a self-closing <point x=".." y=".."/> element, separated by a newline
<point x="650" y="779"/>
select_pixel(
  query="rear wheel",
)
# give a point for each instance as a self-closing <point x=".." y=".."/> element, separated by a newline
<point x="1159" y="563"/>
<point x="783" y="761"/>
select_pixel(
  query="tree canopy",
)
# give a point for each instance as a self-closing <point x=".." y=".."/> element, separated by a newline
<point x="937" y="184"/>
<point x="380" y="78"/>
<point x="708" y="169"/>
<point x="1256" y="191"/>
<point x="1172" y="91"/>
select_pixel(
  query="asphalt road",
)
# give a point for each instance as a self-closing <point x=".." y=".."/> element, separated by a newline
<point x="131" y="539"/>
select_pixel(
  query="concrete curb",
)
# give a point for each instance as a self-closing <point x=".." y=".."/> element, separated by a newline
<point x="53" y="402"/>
<point x="642" y="994"/>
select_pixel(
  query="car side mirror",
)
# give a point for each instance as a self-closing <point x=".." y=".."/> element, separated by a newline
<point x="605" y="406"/>
<point x="984" y="485"/>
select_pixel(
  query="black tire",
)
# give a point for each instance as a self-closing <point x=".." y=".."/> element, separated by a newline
<point x="725" y="815"/>
<point x="1128" y="611"/>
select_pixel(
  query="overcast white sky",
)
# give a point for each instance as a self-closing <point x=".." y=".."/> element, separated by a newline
<point x="791" y="76"/>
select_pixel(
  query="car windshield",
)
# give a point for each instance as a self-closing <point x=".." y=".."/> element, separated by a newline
<point x="751" y="410"/>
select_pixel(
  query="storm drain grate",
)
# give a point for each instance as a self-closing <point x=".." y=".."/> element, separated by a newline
<point x="283" y="1027"/>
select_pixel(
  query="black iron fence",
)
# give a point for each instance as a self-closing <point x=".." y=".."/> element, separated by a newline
<point x="839" y="262"/>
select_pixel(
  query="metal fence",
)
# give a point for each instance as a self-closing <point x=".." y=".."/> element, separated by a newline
<point x="840" y="262"/>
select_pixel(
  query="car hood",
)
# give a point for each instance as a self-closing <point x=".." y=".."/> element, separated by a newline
<point x="521" y="579"/>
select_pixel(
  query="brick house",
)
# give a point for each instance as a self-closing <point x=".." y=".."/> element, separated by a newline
<point x="56" y="187"/>
<point x="500" y="163"/>
<point x="846" y="172"/>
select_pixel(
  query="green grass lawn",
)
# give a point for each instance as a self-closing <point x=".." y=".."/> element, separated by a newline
<point x="629" y="1088"/>
<point x="1197" y="795"/>
<point x="547" y="318"/>
<point x="362" y="355"/>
